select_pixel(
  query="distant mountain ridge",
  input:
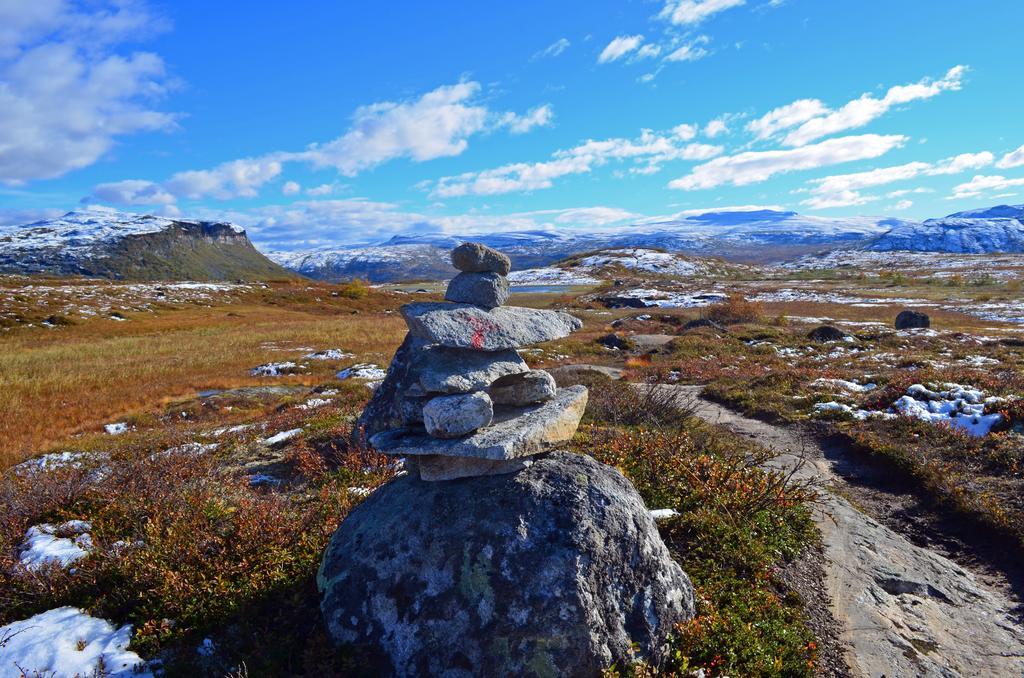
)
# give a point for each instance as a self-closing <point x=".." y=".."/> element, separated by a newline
<point x="757" y="236"/>
<point x="110" y="244"/>
<point x="991" y="230"/>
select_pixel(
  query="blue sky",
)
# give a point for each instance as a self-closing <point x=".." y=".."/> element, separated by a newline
<point x="324" y="122"/>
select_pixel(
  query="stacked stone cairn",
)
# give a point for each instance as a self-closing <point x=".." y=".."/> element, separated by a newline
<point x="459" y="400"/>
<point x="496" y="554"/>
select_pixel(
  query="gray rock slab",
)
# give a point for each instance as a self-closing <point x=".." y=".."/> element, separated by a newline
<point x="505" y="327"/>
<point x="524" y="388"/>
<point x="474" y="257"/>
<point x="460" y="370"/>
<point x="515" y="431"/>
<point x="454" y="416"/>
<point x="480" y="289"/>
<point x="449" y="468"/>
<point x="557" y="570"/>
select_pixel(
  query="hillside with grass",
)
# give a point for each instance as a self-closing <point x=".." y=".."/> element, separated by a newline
<point x="121" y="246"/>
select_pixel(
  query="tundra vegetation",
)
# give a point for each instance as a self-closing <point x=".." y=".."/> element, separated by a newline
<point x="213" y="493"/>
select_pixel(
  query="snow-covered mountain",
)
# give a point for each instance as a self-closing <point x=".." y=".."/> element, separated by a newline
<point x="983" y="231"/>
<point x="746" y="236"/>
<point x="107" y="243"/>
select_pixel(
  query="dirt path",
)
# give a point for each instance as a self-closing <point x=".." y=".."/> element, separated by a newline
<point x="905" y="610"/>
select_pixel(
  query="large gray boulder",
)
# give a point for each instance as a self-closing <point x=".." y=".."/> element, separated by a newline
<point x="474" y="257"/>
<point x="467" y="326"/>
<point x="557" y="570"/>
<point x="515" y="432"/>
<point x="481" y="289"/>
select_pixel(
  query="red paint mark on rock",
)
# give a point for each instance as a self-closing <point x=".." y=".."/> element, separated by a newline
<point x="480" y="329"/>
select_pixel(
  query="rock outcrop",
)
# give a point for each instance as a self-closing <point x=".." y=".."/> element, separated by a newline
<point x="495" y="554"/>
<point x="556" y="570"/>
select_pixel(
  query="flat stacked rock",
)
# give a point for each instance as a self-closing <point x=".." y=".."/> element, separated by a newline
<point x="458" y="398"/>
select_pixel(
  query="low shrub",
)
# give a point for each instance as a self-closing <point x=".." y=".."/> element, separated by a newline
<point x="733" y="310"/>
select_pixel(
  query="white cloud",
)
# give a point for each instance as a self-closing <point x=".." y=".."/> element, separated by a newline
<point x="756" y="166"/>
<point x="785" y="117"/>
<point x="66" y="92"/>
<point x="133" y="192"/>
<point x="691" y="51"/>
<point x="321" y="190"/>
<point x="984" y="184"/>
<point x="620" y="47"/>
<point x="291" y="188"/>
<point x="686" y="12"/>
<point x="541" y="116"/>
<point x="842" y="189"/>
<point x="962" y="162"/>
<point x="649" y="150"/>
<point x="315" y="223"/>
<point x="867" y="107"/>
<point x="553" y="50"/>
<point x="436" y="125"/>
<point x="19" y="217"/>
<point x="1012" y="159"/>
<point x="648" y="51"/>
<point x="715" y="127"/>
<point x="234" y="179"/>
<point x="685" y="131"/>
<point x="903" y="205"/>
<point x="586" y="216"/>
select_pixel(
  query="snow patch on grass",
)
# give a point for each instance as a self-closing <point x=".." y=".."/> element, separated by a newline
<point x="68" y="642"/>
<point x="62" y="544"/>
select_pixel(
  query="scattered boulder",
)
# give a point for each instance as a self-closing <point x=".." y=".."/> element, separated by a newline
<point x="454" y="416"/>
<point x="466" y="326"/>
<point x="480" y="289"/>
<point x="474" y="257"/>
<point x="555" y="570"/>
<point x="908" y="320"/>
<point x="827" y="333"/>
<point x="524" y="388"/>
<point x="614" y="341"/>
<point x="705" y="322"/>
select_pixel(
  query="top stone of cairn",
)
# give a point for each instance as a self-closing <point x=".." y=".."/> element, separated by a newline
<point x="473" y="257"/>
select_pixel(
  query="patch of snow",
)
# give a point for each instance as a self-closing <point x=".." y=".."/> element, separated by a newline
<point x="851" y="386"/>
<point x="550" y="275"/>
<point x="328" y="354"/>
<point x="367" y="371"/>
<point x="116" y="429"/>
<point x="359" y="491"/>
<point x="664" y="299"/>
<point x="68" y="642"/>
<point x="50" y="462"/>
<point x="664" y="514"/>
<point x="978" y="361"/>
<point x="313" y="403"/>
<point x="281" y="437"/>
<point x="276" y="369"/>
<point x="646" y="260"/>
<point x="61" y="544"/>
<point x="958" y="406"/>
